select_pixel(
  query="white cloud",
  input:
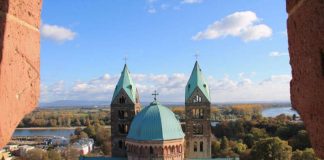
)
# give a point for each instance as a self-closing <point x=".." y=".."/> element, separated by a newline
<point x="277" y="54"/>
<point x="57" y="33"/>
<point x="171" y="88"/>
<point x="191" y="1"/>
<point x="239" y="24"/>
<point x="151" y="10"/>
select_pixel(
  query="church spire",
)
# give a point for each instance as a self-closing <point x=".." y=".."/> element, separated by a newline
<point x="197" y="80"/>
<point x="125" y="82"/>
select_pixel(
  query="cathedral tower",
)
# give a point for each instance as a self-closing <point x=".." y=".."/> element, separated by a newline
<point x="197" y="108"/>
<point x="124" y="106"/>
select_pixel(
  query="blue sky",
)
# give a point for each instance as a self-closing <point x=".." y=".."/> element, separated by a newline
<point x="242" y="46"/>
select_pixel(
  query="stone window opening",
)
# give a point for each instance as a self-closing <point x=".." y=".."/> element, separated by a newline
<point x="201" y="147"/>
<point x="122" y="100"/>
<point x="195" y="146"/>
<point x="122" y="114"/>
<point x="151" y="150"/>
<point x="196" y="99"/>
<point x="198" y="113"/>
<point x="123" y="128"/>
<point x="120" y="144"/>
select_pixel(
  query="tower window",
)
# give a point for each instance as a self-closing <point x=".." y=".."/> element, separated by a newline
<point x="122" y="100"/>
<point x="120" y="144"/>
<point x="201" y="146"/>
<point x="122" y="114"/>
<point x="198" y="113"/>
<point x="196" y="99"/>
<point x="195" y="146"/>
<point x="188" y="87"/>
<point x="123" y="128"/>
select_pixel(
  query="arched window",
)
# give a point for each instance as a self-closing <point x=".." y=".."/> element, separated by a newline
<point x="122" y="100"/>
<point x="198" y="113"/>
<point x="201" y="146"/>
<point x="120" y="144"/>
<point x="151" y="150"/>
<point x="121" y="114"/>
<point x="195" y="146"/>
<point x="196" y="99"/>
<point x="123" y="128"/>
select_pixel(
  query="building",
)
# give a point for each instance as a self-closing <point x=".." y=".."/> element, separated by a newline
<point x="155" y="133"/>
<point x="197" y="110"/>
<point x="84" y="146"/>
<point x="124" y="106"/>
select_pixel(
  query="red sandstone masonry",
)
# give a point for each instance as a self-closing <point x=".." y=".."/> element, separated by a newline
<point x="19" y="67"/>
<point x="306" y="44"/>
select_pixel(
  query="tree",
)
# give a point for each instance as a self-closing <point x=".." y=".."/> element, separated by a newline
<point x="37" y="154"/>
<point x="83" y="135"/>
<point x="300" y="141"/>
<point x="106" y="148"/>
<point x="249" y="140"/>
<point x="72" y="154"/>
<point x="224" y="144"/>
<point x="271" y="149"/>
<point x="307" y="154"/>
<point x="53" y="155"/>
<point x="239" y="148"/>
<point x="215" y="147"/>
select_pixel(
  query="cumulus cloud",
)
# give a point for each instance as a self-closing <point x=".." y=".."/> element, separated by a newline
<point x="57" y="33"/>
<point x="277" y="54"/>
<point x="245" y="25"/>
<point x="171" y="88"/>
<point x="191" y="1"/>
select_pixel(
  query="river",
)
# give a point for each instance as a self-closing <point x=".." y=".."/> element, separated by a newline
<point x="44" y="132"/>
<point x="273" y="112"/>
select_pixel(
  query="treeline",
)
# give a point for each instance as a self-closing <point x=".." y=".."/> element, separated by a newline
<point x="65" y="118"/>
<point x="260" y="137"/>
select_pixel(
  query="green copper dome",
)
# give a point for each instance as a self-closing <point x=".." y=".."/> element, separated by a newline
<point x="155" y="122"/>
<point x="197" y="79"/>
<point x="125" y="82"/>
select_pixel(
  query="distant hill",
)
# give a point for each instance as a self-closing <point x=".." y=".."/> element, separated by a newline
<point x="88" y="103"/>
<point x="73" y="103"/>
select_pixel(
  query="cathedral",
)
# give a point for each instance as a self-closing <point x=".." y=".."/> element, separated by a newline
<point x="154" y="132"/>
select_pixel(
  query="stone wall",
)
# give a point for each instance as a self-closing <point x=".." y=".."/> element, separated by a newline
<point x="19" y="62"/>
<point x="306" y="48"/>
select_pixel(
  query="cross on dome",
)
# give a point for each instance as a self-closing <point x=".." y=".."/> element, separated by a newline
<point x="155" y="94"/>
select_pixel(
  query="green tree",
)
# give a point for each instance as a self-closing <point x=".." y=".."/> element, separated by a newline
<point x="300" y="141"/>
<point x="215" y="147"/>
<point x="271" y="149"/>
<point x="249" y="140"/>
<point x="224" y="144"/>
<point x="239" y="148"/>
<point x="307" y="154"/>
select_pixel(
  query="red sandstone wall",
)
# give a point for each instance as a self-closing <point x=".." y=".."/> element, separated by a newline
<point x="19" y="62"/>
<point x="306" y="44"/>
